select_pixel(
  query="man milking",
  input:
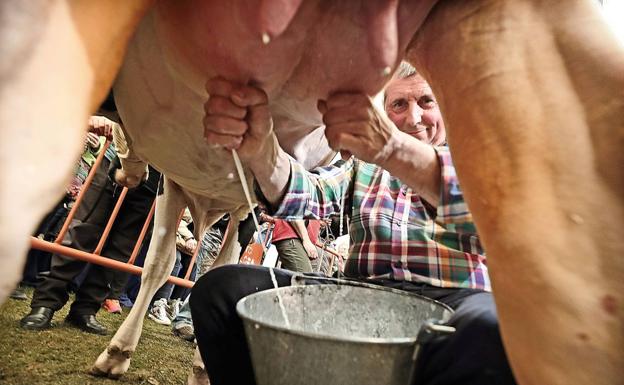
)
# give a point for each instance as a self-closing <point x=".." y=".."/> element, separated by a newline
<point x="410" y="228"/>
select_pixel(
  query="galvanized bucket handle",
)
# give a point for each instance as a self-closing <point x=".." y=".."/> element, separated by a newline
<point x="301" y="279"/>
<point x="430" y="330"/>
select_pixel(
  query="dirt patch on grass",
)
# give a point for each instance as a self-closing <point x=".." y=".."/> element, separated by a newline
<point x="63" y="355"/>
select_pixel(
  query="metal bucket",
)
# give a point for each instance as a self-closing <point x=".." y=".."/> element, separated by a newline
<point x="338" y="334"/>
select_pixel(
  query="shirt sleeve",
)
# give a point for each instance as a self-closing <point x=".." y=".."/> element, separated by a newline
<point x="183" y="229"/>
<point x="317" y="193"/>
<point x="130" y="162"/>
<point x="102" y="142"/>
<point x="452" y="209"/>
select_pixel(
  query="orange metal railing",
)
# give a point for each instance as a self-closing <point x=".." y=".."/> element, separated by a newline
<point x="95" y="257"/>
<point x="52" y="247"/>
<point x="335" y="256"/>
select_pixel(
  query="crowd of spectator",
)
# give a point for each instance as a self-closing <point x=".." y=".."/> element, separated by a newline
<point x="54" y="277"/>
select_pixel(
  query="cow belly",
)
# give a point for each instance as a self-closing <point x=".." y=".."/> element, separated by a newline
<point x="160" y="89"/>
<point x="226" y="38"/>
<point x="306" y="62"/>
<point x="162" y="117"/>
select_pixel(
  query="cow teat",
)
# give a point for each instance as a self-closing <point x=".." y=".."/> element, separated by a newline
<point x="274" y="16"/>
<point x="383" y="38"/>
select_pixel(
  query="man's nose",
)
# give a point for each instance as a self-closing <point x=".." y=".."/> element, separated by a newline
<point x="414" y="114"/>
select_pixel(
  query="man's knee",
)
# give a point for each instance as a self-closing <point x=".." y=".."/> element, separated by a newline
<point x="213" y="284"/>
<point x="476" y="320"/>
<point x="477" y="310"/>
<point x="225" y="285"/>
<point x="474" y="354"/>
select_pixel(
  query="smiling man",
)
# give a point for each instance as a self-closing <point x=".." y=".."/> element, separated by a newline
<point x="410" y="104"/>
<point x="410" y="228"/>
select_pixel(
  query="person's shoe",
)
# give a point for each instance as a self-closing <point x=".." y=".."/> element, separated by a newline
<point x="186" y="332"/>
<point x="173" y="308"/>
<point x="87" y="323"/>
<point x="124" y="301"/>
<point x="19" y="293"/>
<point x="112" y="306"/>
<point x="39" y="318"/>
<point x="158" y="312"/>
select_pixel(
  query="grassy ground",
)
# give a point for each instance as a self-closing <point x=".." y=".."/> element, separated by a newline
<point x="63" y="355"/>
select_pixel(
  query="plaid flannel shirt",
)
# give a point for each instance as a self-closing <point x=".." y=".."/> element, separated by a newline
<point x="394" y="233"/>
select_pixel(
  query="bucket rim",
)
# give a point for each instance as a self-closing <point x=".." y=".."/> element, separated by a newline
<point x="319" y="336"/>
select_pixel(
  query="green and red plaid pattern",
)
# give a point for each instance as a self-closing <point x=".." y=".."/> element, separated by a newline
<point x="394" y="233"/>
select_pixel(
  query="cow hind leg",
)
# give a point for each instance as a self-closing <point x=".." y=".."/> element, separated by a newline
<point x="115" y="359"/>
<point x="198" y="375"/>
<point x="537" y="145"/>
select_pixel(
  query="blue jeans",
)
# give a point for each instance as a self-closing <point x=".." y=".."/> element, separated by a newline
<point x="184" y="315"/>
<point x="207" y="254"/>
<point x="166" y="289"/>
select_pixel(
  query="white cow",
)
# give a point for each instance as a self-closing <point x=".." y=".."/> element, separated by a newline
<point x="531" y="91"/>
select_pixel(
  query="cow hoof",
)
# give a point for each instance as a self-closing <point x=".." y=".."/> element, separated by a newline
<point x="198" y="376"/>
<point x="94" y="371"/>
<point x="112" y="363"/>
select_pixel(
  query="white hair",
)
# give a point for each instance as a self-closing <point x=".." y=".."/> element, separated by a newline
<point x="404" y="70"/>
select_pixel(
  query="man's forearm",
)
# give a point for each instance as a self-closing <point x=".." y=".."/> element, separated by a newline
<point x="300" y="228"/>
<point x="130" y="162"/>
<point x="184" y="231"/>
<point x="272" y="172"/>
<point x="416" y="164"/>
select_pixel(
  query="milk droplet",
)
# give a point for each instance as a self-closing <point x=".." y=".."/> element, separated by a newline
<point x="266" y="39"/>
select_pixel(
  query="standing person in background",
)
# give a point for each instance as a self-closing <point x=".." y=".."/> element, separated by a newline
<point x="294" y="240"/>
<point x="296" y="243"/>
<point x="38" y="261"/>
<point x="161" y="312"/>
<point x="93" y="145"/>
<point x="84" y="234"/>
<point x="182" y="324"/>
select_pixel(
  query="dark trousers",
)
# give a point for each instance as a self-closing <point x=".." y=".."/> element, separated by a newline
<point x="118" y="283"/>
<point x="473" y="355"/>
<point x="84" y="234"/>
<point x="38" y="261"/>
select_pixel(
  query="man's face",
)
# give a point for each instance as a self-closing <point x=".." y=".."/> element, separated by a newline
<point x="410" y="104"/>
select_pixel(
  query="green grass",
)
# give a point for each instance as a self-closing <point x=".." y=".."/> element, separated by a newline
<point x="63" y="355"/>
